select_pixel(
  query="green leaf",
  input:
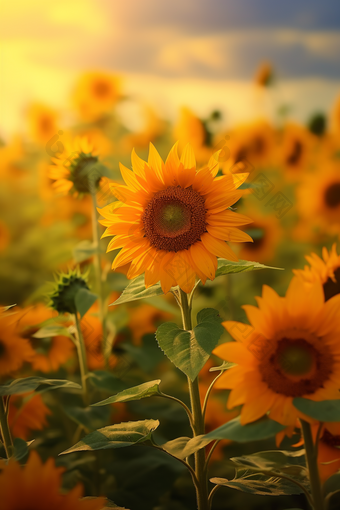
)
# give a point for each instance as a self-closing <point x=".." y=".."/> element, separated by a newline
<point x="51" y="331"/>
<point x="326" y="410"/>
<point x="84" y="300"/>
<point x="233" y="430"/>
<point x="226" y="266"/>
<point x="144" y="390"/>
<point x="177" y="447"/>
<point x="136" y="290"/>
<point x="286" y="462"/>
<point x="83" y="251"/>
<point x="225" y="366"/>
<point x="190" y="350"/>
<point x="106" y="381"/>
<point x="19" y="386"/>
<point x="260" y="484"/>
<point x="116" y="436"/>
<point x="88" y="417"/>
<point x="21" y="448"/>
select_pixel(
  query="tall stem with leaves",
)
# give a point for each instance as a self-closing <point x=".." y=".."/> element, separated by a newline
<point x="198" y="419"/>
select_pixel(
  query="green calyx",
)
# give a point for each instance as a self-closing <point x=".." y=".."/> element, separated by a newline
<point x="63" y="298"/>
<point x="85" y="173"/>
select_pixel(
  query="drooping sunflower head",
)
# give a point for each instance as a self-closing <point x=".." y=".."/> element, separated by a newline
<point x="77" y="170"/>
<point x="172" y="221"/>
<point x="63" y="297"/>
<point x="325" y="270"/>
<point x="291" y="349"/>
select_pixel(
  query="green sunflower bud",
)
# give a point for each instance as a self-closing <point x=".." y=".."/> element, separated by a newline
<point x="63" y="297"/>
<point x="85" y="173"/>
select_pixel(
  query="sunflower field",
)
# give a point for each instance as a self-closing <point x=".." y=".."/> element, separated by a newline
<point x="170" y="307"/>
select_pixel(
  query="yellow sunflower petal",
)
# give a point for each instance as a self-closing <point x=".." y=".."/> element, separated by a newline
<point x="218" y="247"/>
<point x="138" y="164"/>
<point x="234" y="352"/>
<point x="156" y="162"/>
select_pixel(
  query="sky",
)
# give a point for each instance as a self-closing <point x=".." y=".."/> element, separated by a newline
<point x="198" y="52"/>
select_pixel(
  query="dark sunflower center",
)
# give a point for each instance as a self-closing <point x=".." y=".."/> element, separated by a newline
<point x="295" y="358"/>
<point x="46" y="124"/>
<point x="332" y="288"/>
<point x="295" y="154"/>
<point x="101" y="89"/>
<point x="330" y="440"/>
<point x="296" y="367"/>
<point x="332" y="195"/>
<point x="258" y="146"/>
<point x="258" y="234"/>
<point x="85" y="176"/>
<point x="241" y="154"/>
<point x="2" y="348"/>
<point x="174" y="219"/>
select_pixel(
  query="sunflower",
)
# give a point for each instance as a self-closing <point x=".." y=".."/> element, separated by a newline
<point x="37" y="485"/>
<point x="42" y="123"/>
<point x="291" y="349"/>
<point x="250" y="145"/>
<point x="266" y="233"/>
<point x="323" y="210"/>
<point x="96" y="94"/>
<point x="295" y="150"/>
<point x="27" y="414"/>
<point x="74" y="171"/>
<point x="14" y="349"/>
<point x="325" y="270"/>
<point x="50" y="353"/>
<point x="172" y="221"/>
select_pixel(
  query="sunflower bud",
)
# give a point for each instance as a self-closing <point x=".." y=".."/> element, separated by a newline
<point x="63" y="297"/>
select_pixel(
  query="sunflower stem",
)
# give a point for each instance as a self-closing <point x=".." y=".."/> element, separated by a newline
<point x="82" y="360"/>
<point x="5" y="432"/>
<point x="198" y="419"/>
<point x="312" y="464"/>
<point x="98" y="274"/>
